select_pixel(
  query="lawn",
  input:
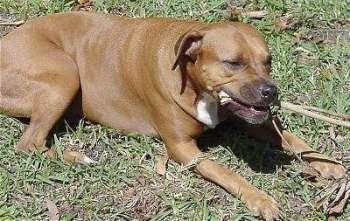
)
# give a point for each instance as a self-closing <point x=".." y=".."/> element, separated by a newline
<point x="310" y="45"/>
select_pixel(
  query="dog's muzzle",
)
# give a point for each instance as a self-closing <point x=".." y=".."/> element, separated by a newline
<point x="254" y="112"/>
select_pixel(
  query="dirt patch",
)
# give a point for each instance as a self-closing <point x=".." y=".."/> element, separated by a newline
<point x="330" y="35"/>
<point x="4" y="29"/>
<point x="298" y="205"/>
<point x="305" y="59"/>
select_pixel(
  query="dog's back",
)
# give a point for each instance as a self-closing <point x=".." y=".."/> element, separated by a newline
<point x="101" y="53"/>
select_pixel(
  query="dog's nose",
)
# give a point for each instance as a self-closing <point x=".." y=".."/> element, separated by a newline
<point x="268" y="92"/>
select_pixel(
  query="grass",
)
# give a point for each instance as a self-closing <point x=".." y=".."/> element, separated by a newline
<point x="309" y="66"/>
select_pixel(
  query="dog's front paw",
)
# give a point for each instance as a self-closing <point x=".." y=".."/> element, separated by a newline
<point x="263" y="205"/>
<point x="328" y="169"/>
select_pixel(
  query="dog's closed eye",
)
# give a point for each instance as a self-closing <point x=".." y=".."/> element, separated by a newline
<point x="234" y="65"/>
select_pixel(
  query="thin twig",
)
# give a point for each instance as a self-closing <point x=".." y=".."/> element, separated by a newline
<point x="236" y="11"/>
<point x="255" y="14"/>
<point x="195" y="162"/>
<point x="15" y="23"/>
<point x="300" y="110"/>
<point x="297" y="155"/>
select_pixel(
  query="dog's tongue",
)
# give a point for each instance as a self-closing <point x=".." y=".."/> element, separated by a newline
<point x="252" y="113"/>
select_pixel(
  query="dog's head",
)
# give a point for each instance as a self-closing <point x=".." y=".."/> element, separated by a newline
<point x="231" y="62"/>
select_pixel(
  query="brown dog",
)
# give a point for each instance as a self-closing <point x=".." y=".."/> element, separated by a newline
<point x="161" y="77"/>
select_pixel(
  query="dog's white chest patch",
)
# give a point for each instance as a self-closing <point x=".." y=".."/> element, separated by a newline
<point x="207" y="111"/>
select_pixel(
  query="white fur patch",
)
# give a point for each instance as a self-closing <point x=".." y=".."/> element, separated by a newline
<point x="207" y="111"/>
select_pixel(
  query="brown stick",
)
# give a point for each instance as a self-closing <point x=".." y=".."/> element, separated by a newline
<point x="300" y="110"/>
<point x="320" y="110"/>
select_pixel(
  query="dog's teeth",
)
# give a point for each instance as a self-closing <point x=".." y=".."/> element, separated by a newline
<point x="223" y="94"/>
<point x="225" y="100"/>
<point x="224" y="97"/>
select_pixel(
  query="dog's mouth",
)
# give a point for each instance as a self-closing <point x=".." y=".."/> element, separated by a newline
<point x="252" y="114"/>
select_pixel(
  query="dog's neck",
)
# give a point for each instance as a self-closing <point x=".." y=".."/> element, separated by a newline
<point x="198" y="104"/>
<point x="187" y="93"/>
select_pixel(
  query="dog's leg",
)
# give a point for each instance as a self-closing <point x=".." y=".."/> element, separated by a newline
<point x="327" y="169"/>
<point x="257" y="201"/>
<point x="294" y="144"/>
<point x="42" y="92"/>
<point x="48" y="107"/>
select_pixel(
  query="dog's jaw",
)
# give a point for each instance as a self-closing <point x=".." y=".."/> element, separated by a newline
<point x="251" y="114"/>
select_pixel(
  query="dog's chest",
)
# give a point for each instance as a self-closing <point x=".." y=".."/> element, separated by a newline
<point x="207" y="111"/>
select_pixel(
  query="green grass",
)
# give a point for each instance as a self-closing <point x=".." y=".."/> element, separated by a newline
<point x="123" y="185"/>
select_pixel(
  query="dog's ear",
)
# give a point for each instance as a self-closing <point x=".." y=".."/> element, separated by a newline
<point x="188" y="45"/>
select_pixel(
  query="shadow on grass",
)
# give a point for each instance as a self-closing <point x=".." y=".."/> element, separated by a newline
<point x="261" y="156"/>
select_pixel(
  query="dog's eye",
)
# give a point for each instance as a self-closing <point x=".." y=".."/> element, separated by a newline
<point x="235" y="65"/>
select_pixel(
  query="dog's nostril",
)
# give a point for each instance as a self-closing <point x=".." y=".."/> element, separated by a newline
<point x="268" y="91"/>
